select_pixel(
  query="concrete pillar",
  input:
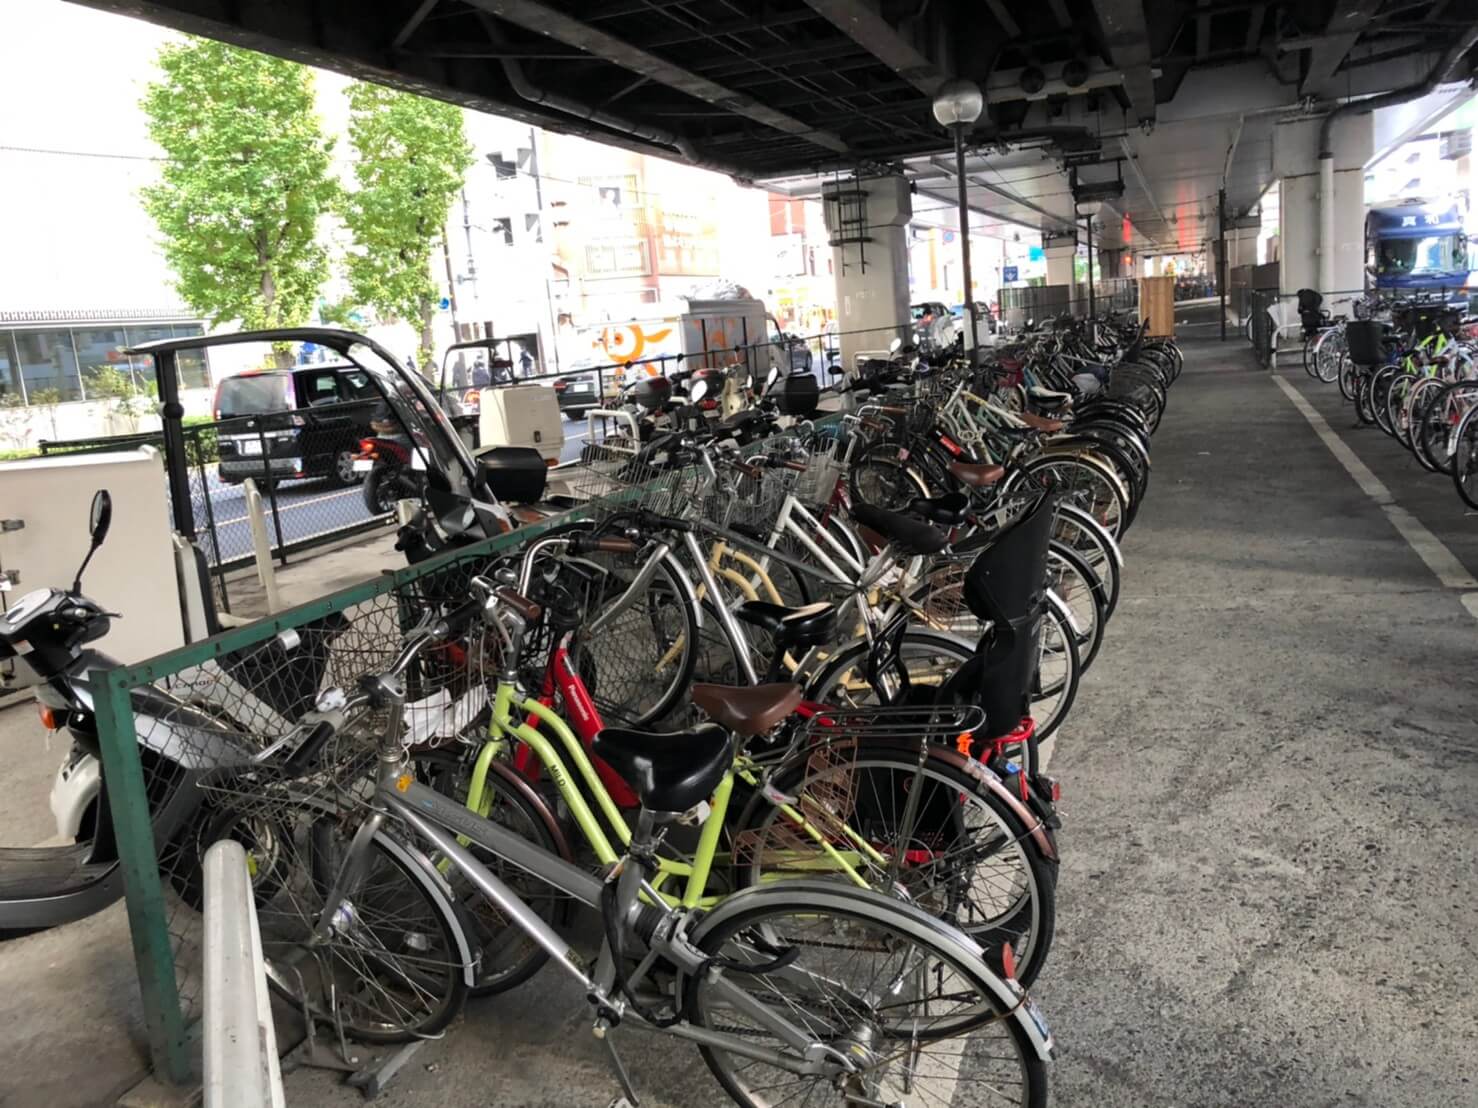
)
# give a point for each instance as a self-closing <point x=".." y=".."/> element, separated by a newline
<point x="871" y="276"/>
<point x="1060" y="254"/>
<point x="1322" y="244"/>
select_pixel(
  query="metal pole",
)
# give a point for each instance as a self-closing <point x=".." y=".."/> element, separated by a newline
<point x="970" y="332"/>
<point x="1092" y="301"/>
<point x="176" y="464"/>
<point x="1221" y="257"/>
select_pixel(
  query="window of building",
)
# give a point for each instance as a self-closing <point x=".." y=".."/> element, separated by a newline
<point x="10" y="378"/>
<point x="106" y="370"/>
<point x="48" y="366"/>
<point x="503" y="228"/>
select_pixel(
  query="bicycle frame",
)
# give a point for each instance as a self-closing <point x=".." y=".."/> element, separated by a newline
<point x="538" y="752"/>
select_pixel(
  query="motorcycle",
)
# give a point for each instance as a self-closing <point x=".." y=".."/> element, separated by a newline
<point x="49" y="630"/>
<point x="392" y="470"/>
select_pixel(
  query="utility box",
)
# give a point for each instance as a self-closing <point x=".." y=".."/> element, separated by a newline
<point x="522" y="415"/>
<point x="1157" y="304"/>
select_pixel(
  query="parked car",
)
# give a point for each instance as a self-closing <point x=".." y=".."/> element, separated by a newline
<point x="577" y="393"/>
<point x="309" y="420"/>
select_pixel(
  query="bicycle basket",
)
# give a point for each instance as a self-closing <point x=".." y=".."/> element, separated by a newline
<point x="1365" y="340"/>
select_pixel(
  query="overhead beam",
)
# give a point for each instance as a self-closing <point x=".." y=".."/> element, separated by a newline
<point x="1059" y="11"/>
<point x="1004" y="193"/>
<point x="1254" y="29"/>
<point x="1203" y="34"/>
<point x="1127" y="37"/>
<point x="864" y="24"/>
<point x="954" y="206"/>
<point x="1349" y="19"/>
<point x="408" y="28"/>
<point x="1003" y="17"/>
<point x="536" y="17"/>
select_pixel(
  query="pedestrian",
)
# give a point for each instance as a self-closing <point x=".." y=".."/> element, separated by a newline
<point x="481" y="379"/>
<point x="525" y="363"/>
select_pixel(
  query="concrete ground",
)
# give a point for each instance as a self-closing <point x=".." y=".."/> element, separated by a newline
<point x="1270" y="814"/>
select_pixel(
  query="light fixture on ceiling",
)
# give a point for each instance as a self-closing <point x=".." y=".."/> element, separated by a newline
<point x="1090" y="208"/>
<point x="1075" y="73"/>
<point x="958" y="103"/>
<point x="1033" y="80"/>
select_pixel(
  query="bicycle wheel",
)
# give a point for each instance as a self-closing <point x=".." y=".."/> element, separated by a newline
<point x="929" y="658"/>
<point x="394" y="967"/>
<point x="881" y="478"/>
<point x="1308" y="355"/>
<point x="1437" y="425"/>
<point x="508" y="955"/>
<point x="1086" y="483"/>
<point x="640" y="662"/>
<point x="1327" y="353"/>
<point x="1365" y="398"/>
<point x="1095" y="546"/>
<point x="907" y="1000"/>
<point x="1418" y="400"/>
<point x="1465" y="459"/>
<point x="1380" y="391"/>
<point x="1349" y="378"/>
<point x="967" y="856"/>
<point x="1397" y="394"/>
<point x="1058" y="670"/>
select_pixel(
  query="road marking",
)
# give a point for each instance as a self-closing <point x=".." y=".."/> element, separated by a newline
<point x="1429" y="548"/>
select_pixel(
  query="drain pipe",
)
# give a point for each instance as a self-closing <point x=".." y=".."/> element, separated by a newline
<point x="1441" y="73"/>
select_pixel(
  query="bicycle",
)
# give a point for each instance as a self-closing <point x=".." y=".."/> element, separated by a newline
<point x="797" y="983"/>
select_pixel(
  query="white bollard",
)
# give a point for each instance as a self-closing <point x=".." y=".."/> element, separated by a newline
<point x="261" y="545"/>
<point x="241" y="1069"/>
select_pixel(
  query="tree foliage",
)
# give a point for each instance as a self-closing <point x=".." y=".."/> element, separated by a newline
<point x="244" y="182"/>
<point x="411" y="158"/>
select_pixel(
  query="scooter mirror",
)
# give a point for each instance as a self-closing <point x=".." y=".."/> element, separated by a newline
<point x="772" y="377"/>
<point x="895" y="346"/>
<point x="101" y="517"/>
<point x="697" y="390"/>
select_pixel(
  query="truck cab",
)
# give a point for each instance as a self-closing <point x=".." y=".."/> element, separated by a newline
<point x="1416" y="247"/>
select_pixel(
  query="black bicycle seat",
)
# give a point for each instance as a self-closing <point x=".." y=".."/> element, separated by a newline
<point x="672" y="771"/>
<point x="808" y="625"/>
<point x="948" y="510"/>
<point x="907" y="533"/>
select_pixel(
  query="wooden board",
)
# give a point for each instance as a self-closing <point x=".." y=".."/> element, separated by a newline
<point x="1157" y="303"/>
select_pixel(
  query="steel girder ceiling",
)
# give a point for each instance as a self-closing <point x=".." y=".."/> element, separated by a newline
<point x="778" y="88"/>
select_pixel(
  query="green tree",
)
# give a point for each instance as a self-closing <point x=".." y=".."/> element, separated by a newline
<point x="244" y="182"/>
<point x="411" y="158"/>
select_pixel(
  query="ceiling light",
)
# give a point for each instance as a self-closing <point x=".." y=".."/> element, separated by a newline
<point x="958" y="103"/>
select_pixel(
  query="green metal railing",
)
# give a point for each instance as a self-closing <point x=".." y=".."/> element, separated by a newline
<point x="155" y="921"/>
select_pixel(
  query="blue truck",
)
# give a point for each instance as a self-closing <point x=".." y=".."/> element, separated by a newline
<point x="1416" y="247"/>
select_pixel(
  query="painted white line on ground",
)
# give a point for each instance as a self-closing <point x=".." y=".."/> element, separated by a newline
<point x="1429" y="548"/>
<point x="292" y="504"/>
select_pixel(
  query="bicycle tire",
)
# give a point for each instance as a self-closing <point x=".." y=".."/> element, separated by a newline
<point x="878" y="477"/>
<point x="877" y="775"/>
<point x="1465" y="459"/>
<point x="1057" y="637"/>
<point x="751" y="924"/>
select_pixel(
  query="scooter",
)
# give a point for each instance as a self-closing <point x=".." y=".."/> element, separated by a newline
<point x="49" y="630"/>
<point x="392" y="470"/>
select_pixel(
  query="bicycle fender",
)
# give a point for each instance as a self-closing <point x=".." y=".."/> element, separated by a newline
<point x="1040" y="833"/>
<point x="907" y="917"/>
<point x="421" y="868"/>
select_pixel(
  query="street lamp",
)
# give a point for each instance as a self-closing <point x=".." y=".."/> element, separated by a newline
<point x="1088" y="209"/>
<point x="957" y="105"/>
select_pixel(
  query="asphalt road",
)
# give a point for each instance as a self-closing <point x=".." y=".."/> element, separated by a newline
<point x="304" y="508"/>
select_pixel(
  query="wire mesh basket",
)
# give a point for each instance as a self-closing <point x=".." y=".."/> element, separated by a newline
<point x="825" y="466"/>
<point x="615" y="476"/>
<point x="750" y="498"/>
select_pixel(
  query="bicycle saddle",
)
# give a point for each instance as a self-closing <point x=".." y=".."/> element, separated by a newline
<point x="910" y="535"/>
<point x="1041" y="423"/>
<point x="948" y="510"/>
<point x="748" y="710"/>
<point x="808" y="625"/>
<point x="977" y="475"/>
<point x="670" y="772"/>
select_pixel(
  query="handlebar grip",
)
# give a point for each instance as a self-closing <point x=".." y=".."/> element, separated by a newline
<point x="746" y="468"/>
<point x="521" y="604"/>
<point x="799" y="467"/>
<point x="614" y="544"/>
<point x="307" y="752"/>
<point x="892" y="409"/>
